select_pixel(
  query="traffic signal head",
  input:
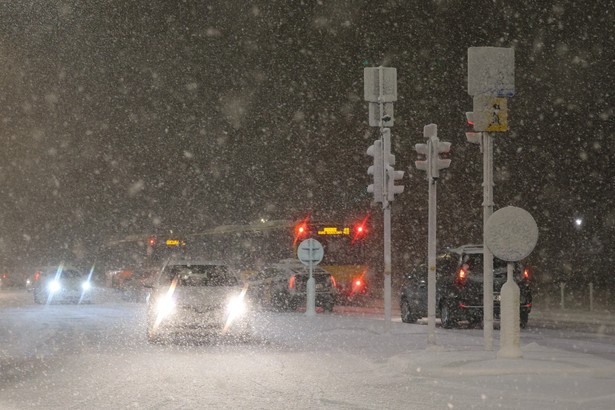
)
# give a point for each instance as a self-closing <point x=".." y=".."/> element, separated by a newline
<point x="392" y="189"/>
<point x="423" y="162"/>
<point x="376" y="170"/>
<point x="470" y="118"/>
<point x="439" y="162"/>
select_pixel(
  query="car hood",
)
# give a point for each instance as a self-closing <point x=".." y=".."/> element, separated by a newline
<point x="204" y="296"/>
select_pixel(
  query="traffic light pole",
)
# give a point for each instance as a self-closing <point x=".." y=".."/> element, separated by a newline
<point x="431" y="263"/>
<point x="387" y="265"/>
<point x="487" y="141"/>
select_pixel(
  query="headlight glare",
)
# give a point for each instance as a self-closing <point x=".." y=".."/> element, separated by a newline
<point x="236" y="306"/>
<point x="165" y="306"/>
<point x="86" y="285"/>
<point x="54" y="286"/>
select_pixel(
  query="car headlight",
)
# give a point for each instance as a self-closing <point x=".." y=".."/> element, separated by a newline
<point x="54" y="286"/>
<point x="236" y="306"/>
<point x="86" y="285"/>
<point x="165" y="306"/>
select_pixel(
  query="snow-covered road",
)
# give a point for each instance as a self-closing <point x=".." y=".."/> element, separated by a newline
<point x="96" y="356"/>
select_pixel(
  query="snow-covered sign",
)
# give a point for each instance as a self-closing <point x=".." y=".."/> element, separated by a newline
<point x="380" y="84"/>
<point x="310" y="251"/>
<point x="491" y="71"/>
<point x="511" y="233"/>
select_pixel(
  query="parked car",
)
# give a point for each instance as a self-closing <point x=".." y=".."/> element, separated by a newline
<point x="62" y="284"/>
<point x="284" y="286"/>
<point x="459" y="288"/>
<point x="197" y="298"/>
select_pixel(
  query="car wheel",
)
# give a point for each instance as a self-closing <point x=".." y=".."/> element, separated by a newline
<point x="523" y="320"/>
<point x="446" y="316"/>
<point x="406" y="313"/>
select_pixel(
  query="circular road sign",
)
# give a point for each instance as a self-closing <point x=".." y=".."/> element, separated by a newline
<point x="511" y="234"/>
<point x="310" y="251"/>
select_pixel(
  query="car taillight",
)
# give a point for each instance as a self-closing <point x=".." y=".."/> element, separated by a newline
<point x="291" y="282"/>
<point x="526" y="273"/>
<point x="334" y="282"/>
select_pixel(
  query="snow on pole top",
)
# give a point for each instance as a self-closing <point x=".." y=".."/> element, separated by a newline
<point x="511" y="234"/>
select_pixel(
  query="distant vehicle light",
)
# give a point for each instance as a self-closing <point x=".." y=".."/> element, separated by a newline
<point x="526" y="273"/>
<point x="333" y="281"/>
<point x="54" y="286"/>
<point x="358" y="283"/>
<point x="86" y="285"/>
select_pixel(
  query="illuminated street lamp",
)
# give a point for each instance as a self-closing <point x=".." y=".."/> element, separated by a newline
<point x="578" y="222"/>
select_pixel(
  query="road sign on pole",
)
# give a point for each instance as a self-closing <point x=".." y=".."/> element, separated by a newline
<point x="491" y="71"/>
<point x="310" y="252"/>
<point x="511" y="234"/>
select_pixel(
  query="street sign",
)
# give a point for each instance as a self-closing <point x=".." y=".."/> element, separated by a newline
<point x="310" y="251"/>
<point x="490" y="113"/>
<point x="511" y="233"/>
<point x="491" y="71"/>
<point x="380" y="84"/>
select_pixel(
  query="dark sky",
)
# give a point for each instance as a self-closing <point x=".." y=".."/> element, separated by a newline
<point x="133" y="117"/>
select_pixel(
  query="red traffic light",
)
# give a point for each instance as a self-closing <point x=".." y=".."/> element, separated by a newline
<point x="360" y="229"/>
<point x="301" y="229"/>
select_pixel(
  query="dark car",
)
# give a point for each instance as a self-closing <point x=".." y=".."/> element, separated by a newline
<point x="198" y="299"/>
<point x="62" y="284"/>
<point x="459" y="288"/>
<point x="284" y="286"/>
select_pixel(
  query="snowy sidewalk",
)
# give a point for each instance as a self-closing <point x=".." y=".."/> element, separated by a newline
<point x="536" y="360"/>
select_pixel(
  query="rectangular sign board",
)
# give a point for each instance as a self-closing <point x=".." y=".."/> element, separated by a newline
<point x="380" y="84"/>
<point x="490" y="113"/>
<point x="491" y="71"/>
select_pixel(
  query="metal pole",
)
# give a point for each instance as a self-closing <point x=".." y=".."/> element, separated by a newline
<point x="431" y="262"/>
<point x="387" y="266"/>
<point x="310" y="309"/>
<point x="487" y="255"/>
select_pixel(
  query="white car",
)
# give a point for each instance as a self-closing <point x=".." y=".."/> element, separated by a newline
<point x="197" y="298"/>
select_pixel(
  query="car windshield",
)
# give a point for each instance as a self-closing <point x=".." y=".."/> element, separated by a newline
<point x="200" y="275"/>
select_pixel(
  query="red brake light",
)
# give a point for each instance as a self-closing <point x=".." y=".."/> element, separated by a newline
<point x="291" y="282"/>
<point x="358" y="282"/>
<point x="462" y="274"/>
<point x="333" y="281"/>
<point x="151" y="241"/>
<point x="526" y="273"/>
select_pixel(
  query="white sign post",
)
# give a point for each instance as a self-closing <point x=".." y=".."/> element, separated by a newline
<point x="511" y="235"/>
<point x="491" y="76"/>
<point x="380" y="90"/>
<point x="310" y="253"/>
